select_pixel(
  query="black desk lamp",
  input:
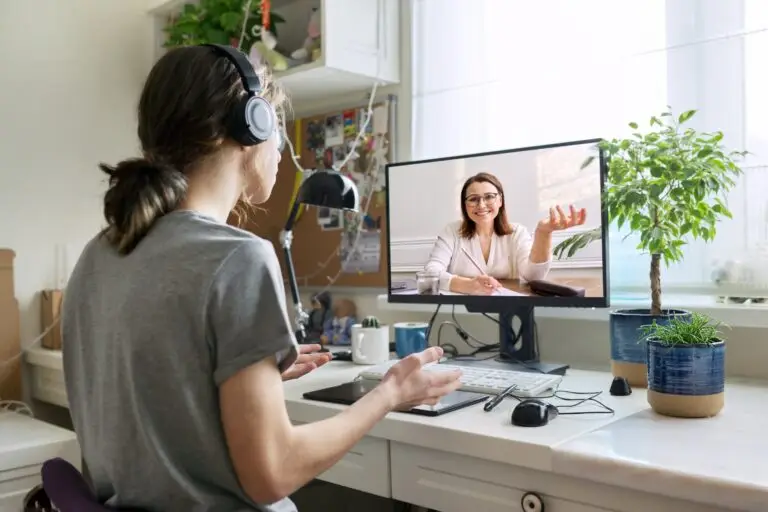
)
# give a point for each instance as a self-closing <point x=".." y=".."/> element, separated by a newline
<point x="326" y="189"/>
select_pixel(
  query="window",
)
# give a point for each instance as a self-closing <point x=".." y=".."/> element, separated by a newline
<point x="495" y="74"/>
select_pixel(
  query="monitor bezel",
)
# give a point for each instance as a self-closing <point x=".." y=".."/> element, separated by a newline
<point x="490" y="304"/>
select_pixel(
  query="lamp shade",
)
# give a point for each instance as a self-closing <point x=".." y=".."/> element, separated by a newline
<point x="329" y="189"/>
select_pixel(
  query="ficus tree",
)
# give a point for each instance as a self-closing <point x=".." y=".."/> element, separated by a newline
<point x="666" y="186"/>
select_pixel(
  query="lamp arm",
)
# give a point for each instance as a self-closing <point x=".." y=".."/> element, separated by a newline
<point x="286" y="239"/>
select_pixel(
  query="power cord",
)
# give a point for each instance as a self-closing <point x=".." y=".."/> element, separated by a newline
<point x="15" y="405"/>
<point x="480" y="346"/>
<point x="431" y="324"/>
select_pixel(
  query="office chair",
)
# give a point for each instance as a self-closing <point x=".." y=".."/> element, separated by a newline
<point x="63" y="490"/>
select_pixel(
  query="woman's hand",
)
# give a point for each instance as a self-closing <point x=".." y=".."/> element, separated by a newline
<point x="412" y="386"/>
<point x="309" y="359"/>
<point x="479" y="285"/>
<point x="558" y="220"/>
<point x="483" y="285"/>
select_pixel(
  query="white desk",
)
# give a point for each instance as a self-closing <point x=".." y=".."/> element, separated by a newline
<point x="26" y="443"/>
<point x="633" y="461"/>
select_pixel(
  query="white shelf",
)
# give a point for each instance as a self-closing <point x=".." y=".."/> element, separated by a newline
<point x="315" y="81"/>
<point x="360" y="45"/>
<point x="164" y="7"/>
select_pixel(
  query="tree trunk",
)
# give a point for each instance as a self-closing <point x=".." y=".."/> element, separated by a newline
<point x="656" y="284"/>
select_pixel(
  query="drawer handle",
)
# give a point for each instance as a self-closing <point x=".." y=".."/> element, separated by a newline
<point x="532" y="502"/>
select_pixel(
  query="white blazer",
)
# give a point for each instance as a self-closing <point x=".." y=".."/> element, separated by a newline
<point x="508" y="258"/>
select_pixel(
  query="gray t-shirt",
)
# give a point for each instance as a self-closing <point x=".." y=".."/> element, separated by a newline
<point x="147" y="340"/>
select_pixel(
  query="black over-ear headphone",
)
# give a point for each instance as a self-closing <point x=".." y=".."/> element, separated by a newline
<point x="253" y="120"/>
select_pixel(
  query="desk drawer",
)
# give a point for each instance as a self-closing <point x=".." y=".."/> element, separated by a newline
<point x="457" y="483"/>
<point x="365" y="468"/>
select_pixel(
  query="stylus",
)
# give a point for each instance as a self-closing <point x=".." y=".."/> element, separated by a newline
<point x="493" y="402"/>
<point x="472" y="260"/>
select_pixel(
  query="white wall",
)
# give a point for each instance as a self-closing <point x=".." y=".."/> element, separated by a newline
<point x="424" y="197"/>
<point x="71" y="76"/>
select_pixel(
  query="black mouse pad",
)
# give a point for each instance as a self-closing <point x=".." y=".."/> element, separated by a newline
<point x="350" y="392"/>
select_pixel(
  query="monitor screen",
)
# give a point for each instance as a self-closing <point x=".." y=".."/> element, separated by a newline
<point x="486" y="227"/>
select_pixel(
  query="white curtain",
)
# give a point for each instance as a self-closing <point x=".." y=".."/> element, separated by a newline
<point x="496" y="74"/>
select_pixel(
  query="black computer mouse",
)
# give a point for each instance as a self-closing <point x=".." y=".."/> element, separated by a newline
<point x="533" y="413"/>
<point x="342" y="355"/>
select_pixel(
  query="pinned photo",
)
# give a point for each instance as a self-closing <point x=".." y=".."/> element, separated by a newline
<point x="350" y="123"/>
<point x="315" y="135"/>
<point x="334" y="130"/>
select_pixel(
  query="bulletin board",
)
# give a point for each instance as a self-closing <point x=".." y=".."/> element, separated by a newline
<point x="323" y="238"/>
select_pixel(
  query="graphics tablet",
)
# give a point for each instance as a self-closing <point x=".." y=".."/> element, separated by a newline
<point x="351" y="392"/>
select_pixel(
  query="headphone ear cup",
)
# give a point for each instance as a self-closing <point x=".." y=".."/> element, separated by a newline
<point x="253" y="121"/>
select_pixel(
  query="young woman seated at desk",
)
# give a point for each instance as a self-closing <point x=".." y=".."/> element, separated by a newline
<point x="472" y="254"/>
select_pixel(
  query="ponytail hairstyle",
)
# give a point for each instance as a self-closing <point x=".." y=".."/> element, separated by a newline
<point x="182" y="116"/>
<point x="139" y="193"/>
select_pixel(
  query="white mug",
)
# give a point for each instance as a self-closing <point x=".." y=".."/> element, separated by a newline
<point x="370" y="345"/>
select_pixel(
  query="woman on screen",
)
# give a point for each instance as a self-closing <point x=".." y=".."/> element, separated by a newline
<point x="473" y="253"/>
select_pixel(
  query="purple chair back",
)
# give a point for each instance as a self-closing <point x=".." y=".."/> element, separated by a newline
<point x="67" y="489"/>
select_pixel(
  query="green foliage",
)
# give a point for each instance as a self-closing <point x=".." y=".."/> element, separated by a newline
<point x="697" y="329"/>
<point x="219" y="22"/>
<point x="570" y="246"/>
<point x="669" y="184"/>
<point x="371" y="321"/>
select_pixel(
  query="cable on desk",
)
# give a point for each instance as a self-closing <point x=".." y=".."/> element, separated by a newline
<point x="577" y="397"/>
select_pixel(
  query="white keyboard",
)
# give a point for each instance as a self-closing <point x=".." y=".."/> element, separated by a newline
<point x="483" y="380"/>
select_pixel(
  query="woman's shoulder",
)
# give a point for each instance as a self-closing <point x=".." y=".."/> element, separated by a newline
<point x="452" y="229"/>
<point x="519" y="235"/>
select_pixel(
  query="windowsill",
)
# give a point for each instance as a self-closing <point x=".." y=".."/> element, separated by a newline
<point x="734" y="315"/>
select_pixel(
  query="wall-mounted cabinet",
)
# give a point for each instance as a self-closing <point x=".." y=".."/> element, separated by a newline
<point x="359" y="44"/>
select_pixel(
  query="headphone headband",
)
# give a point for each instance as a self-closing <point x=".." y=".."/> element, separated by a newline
<point x="243" y="66"/>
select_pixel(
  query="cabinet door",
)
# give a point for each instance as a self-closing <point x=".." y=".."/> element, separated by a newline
<point x="361" y="37"/>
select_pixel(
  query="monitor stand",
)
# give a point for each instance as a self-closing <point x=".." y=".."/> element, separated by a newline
<point x="518" y="348"/>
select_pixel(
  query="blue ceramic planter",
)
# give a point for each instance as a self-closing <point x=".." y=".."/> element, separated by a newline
<point x="686" y="380"/>
<point x="628" y="350"/>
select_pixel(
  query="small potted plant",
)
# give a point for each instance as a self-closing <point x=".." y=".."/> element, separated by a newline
<point x="370" y="322"/>
<point x="665" y="186"/>
<point x="686" y="366"/>
<point x="370" y="342"/>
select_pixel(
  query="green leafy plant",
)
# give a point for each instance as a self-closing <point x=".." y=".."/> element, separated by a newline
<point x="371" y="321"/>
<point x="219" y="22"/>
<point x="666" y="186"/>
<point x="698" y="329"/>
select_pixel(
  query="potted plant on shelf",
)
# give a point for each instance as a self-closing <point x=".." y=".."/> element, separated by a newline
<point x="686" y="367"/>
<point x="665" y="186"/>
<point x="220" y="22"/>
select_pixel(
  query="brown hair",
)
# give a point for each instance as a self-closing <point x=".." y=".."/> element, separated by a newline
<point x="501" y="225"/>
<point x="182" y="116"/>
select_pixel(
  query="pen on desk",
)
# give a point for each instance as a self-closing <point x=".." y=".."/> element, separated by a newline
<point x="493" y="402"/>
